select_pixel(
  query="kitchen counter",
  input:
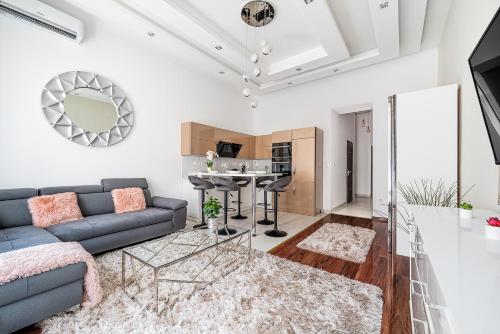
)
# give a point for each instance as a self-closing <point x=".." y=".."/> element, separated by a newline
<point x="225" y="174"/>
<point x="463" y="270"/>
<point x="253" y="175"/>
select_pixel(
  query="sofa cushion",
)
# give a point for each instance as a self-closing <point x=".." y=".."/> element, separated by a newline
<point x="86" y="189"/>
<point x="128" y="199"/>
<point x="95" y="226"/>
<point x="17" y="193"/>
<point x="54" y="209"/>
<point x="30" y="286"/>
<point x="110" y="184"/>
<point x="96" y="203"/>
<point x="14" y="207"/>
<point x="24" y="236"/>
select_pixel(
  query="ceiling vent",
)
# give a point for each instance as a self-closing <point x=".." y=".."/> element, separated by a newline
<point x="45" y="17"/>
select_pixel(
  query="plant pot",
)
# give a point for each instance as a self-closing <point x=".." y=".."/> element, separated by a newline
<point x="212" y="224"/>
<point x="492" y="232"/>
<point x="465" y="214"/>
<point x="209" y="169"/>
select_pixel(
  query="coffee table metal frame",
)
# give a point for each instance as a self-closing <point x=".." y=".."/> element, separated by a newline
<point x="242" y="236"/>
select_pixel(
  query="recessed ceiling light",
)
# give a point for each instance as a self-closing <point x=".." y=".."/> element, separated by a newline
<point x="218" y="47"/>
<point x="308" y="1"/>
<point x="151" y="34"/>
<point x="298" y="69"/>
<point x="290" y="83"/>
<point x="221" y="72"/>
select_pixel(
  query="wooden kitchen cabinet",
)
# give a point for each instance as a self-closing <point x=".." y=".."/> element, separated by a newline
<point x="197" y="139"/>
<point x="304" y="133"/>
<point x="282" y="136"/>
<point x="263" y="147"/>
<point x="304" y="195"/>
<point x="303" y="159"/>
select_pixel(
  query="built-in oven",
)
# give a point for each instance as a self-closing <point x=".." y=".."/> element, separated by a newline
<point x="282" y="158"/>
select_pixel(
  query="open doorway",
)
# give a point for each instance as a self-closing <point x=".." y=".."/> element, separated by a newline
<point x="358" y="158"/>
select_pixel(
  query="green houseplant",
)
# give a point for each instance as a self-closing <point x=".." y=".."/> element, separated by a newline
<point x="465" y="210"/>
<point x="211" y="209"/>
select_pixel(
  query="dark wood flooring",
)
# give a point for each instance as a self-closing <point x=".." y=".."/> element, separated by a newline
<point x="388" y="272"/>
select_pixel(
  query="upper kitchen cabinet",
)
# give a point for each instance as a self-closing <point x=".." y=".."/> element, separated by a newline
<point x="304" y="133"/>
<point x="263" y="147"/>
<point x="197" y="139"/>
<point x="282" y="136"/>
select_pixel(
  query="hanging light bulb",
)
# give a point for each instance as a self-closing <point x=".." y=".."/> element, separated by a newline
<point x="246" y="92"/>
<point x="263" y="43"/>
<point x="257" y="72"/>
<point x="254" y="58"/>
<point x="245" y="77"/>
<point x="254" y="104"/>
<point x="266" y="49"/>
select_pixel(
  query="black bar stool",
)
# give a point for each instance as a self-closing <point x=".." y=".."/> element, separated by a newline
<point x="241" y="182"/>
<point x="260" y="183"/>
<point x="277" y="187"/>
<point x="201" y="185"/>
<point x="226" y="185"/>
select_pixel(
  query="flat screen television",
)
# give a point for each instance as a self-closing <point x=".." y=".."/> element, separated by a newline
<point x="485" y="67"/>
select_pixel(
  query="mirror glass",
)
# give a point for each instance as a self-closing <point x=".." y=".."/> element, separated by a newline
<point x="90" y="109"/>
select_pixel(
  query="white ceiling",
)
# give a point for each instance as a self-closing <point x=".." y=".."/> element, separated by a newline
<point x="323" y="38"/>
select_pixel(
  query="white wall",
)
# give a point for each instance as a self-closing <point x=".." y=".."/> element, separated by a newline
<point x="163" y="93"/>
<point x="466" y="23"/>
<point x="343" y="128"/>
<point x="362" y="151"/>
<point x="312" y="104"/>
<point x="426" y="135"/>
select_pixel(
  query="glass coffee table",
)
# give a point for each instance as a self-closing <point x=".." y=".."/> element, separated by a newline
<point x="174" y="259"/>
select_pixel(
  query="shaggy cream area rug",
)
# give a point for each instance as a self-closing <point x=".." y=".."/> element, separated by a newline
<point x="265" y="294"/>
<point x="344" y="241"/>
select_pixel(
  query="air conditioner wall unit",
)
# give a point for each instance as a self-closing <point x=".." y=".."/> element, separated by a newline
<point x="45" y="17"/>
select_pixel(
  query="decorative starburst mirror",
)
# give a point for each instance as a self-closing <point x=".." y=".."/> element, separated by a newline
<point x="87" y="109"/>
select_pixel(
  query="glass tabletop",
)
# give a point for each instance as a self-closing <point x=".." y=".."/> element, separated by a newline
<point x="179" y="245"/>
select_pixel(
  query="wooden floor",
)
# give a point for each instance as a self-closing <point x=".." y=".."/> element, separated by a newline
<point x="388" y="272"/>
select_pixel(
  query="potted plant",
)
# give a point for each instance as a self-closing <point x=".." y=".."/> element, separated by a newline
<point x="211" y="209"/>
<point x="492" y="229"/>
<point x="210" y="160"/>
<point x="465" y="210"/>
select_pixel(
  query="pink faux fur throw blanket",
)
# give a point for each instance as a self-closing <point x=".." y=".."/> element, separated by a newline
<point x="34" y="260"/>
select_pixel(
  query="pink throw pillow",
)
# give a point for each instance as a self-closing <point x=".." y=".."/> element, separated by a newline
<point x="128" y="199"/>
<point x="48" y="210"/>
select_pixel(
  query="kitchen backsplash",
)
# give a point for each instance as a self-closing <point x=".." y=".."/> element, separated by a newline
<point x="191" y="164"/>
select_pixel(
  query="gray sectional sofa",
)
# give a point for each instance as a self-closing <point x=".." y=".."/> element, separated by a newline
<point x="28" y="300"/>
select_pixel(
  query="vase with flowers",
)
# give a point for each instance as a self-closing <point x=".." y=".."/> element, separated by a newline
<point x="210" y="160"/>
<point x="492" y="228"/>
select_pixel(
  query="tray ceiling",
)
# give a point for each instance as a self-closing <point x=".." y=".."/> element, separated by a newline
<point x="310" y="41"/>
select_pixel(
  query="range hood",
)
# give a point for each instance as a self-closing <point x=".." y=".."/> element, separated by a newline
<point x="228" y="150"/>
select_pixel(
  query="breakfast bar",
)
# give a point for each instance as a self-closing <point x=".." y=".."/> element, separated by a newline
<point x="253" y="175"/>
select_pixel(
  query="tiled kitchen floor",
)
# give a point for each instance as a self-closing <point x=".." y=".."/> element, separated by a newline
<point x="288" y="222"/>
<point x="360" y="207"/>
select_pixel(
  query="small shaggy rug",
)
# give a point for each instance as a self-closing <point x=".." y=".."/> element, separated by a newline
<point x="344" y="241"/>
<point x="265" y="294"/>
